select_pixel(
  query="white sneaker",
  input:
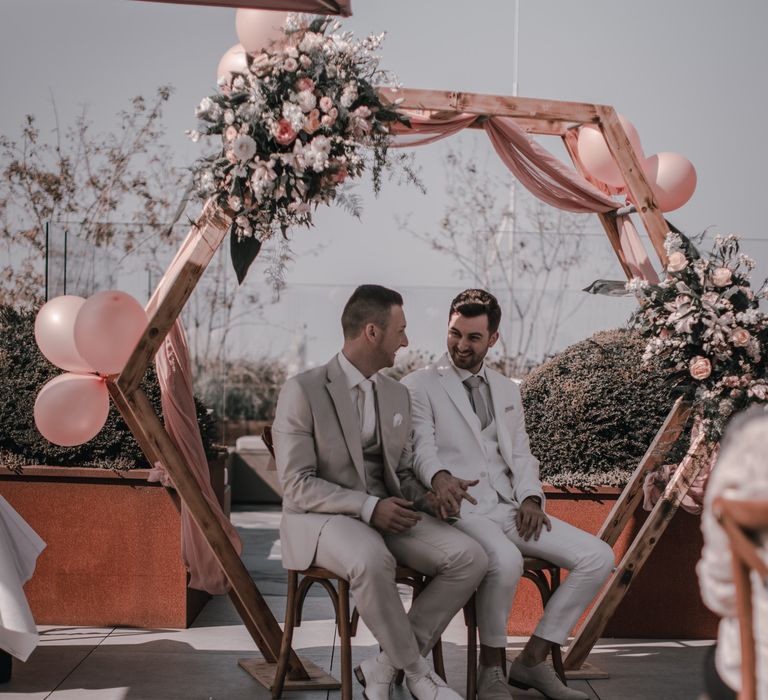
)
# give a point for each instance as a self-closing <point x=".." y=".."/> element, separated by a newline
<point x="431" y="687"/>
<point x="542" y="678"/>
<point x="376" y="675"/>
<point x="491" y="684"/>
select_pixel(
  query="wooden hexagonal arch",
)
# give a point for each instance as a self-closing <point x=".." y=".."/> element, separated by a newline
<point x="535" y="116"/>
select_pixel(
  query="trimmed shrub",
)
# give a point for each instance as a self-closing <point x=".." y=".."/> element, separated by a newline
<point x="592" y="410"/>
<point x="23" y="372"/>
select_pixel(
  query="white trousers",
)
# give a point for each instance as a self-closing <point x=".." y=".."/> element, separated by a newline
<point x="589" y="560"/>
<point x="367" y="559"/>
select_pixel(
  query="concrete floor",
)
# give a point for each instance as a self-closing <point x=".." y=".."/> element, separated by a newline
<point x="201" y="662"/>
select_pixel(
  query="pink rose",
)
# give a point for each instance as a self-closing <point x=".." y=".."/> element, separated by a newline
<point x="284" y="133"/>
<point x="721" y="277"/>
<point x="329" y="119"/>
<point x="363" y="112"/>
<point x="677" y="262"/>
<point x="231" y="133"/>
<point x="740" y="337"/>
<point x="326" y="103"/>
<point x="291" y="65"/>
<point x="312" y="121"/>
<point x="758" y="391"/>
<point x="731" y="381"/>
<point x="700" y="368"/>
<point x="305" y="84"/>
<point x="664" y="333"/>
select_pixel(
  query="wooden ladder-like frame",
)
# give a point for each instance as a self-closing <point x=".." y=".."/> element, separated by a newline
<point x="536" y="116"/>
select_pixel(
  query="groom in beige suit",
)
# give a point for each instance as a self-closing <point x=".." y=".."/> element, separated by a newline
<point x="470" y="446"/>
<point x="343" y="450"/>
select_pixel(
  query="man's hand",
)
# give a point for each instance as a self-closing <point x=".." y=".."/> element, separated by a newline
<point x="531" y="518"/>
<point x="450" y="490"/>
<point x="394" y="515"/>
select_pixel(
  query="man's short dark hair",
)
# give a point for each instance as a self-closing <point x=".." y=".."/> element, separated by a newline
<point x="369" y="303"/>
<point x="477" y="302"/>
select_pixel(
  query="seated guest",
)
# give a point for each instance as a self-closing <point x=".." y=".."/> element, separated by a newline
<point x="343" y="451"/>
<point x="470" y="445"/>
<point x="741" y="473"/>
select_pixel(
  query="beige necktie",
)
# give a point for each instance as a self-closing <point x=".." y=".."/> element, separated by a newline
<point x="366" y="411"/>
<point x="477" y="400"/>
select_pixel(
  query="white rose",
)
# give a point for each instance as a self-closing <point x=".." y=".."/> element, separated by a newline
<point x="244" y="147"/>
<point x="229" y="116"/>
<point x="306" y="101"/>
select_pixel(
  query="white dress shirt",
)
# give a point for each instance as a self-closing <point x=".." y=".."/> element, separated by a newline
<point x="354" y="376"/>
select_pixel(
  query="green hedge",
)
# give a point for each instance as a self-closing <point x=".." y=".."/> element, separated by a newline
<point x="23" y="372"/>
<point x="592" y="410"/>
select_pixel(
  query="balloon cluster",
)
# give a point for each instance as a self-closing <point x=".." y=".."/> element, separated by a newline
<point x="89" y="339"/>
<point x="256" y="30"/>
<point x="671" y="176"/>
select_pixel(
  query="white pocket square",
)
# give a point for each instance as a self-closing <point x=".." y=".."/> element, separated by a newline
<point x="508" y="409"/>
<point x="397" y="419"/>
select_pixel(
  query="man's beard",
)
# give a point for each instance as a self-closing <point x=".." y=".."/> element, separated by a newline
<point x="466" y="361"/>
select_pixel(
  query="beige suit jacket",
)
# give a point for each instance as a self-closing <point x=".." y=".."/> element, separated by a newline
<point x="319" y="454"/>
<point x="447" y="433"/>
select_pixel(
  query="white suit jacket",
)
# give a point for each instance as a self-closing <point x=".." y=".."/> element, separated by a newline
<point x="447" y="433"/>
<point x="319" y="455"/>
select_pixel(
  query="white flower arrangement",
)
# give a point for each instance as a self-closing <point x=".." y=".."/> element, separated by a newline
<point x="302" y="120"/>
<point x="703" y="320"/>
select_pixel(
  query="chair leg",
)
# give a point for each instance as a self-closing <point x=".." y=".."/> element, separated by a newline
<point x="470" y="616"/>
<point x="345" y="641"/>
<point x="285" y="645"/>
<point x="557" y="662"/>
<point x="6" y="665"/>
<point x="437" y="659"/>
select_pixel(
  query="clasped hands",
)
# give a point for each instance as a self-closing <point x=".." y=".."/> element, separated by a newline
<point x="449" y="491"/>
<point x="397" y="515"/>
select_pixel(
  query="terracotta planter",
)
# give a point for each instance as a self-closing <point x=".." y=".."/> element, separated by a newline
<point x="663" y="601"/>
<point x="114" y="542"/>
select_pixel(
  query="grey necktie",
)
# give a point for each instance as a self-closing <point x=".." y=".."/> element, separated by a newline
<point x="477" y="400"/>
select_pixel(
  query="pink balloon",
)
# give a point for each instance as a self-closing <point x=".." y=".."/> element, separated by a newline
<point x="71" y="409"/>
<point x="596" y="156"/>
<point x="233" y="61"/>
<point x="259" y="29"/>
<point x="672" y="178"/>
<point x="55" y="333"/>
<point x="107" y="329"/>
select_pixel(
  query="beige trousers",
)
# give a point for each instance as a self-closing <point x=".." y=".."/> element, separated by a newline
<point x="367" y="559"/>
<point x="589" y="560"/>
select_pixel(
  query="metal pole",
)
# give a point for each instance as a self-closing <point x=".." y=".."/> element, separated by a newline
<point x="46" y="260"/>
<point x="66" y="236"/>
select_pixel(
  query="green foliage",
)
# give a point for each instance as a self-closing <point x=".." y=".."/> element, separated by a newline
<point x="593" y="410"/>
<point x="23" y="372"/>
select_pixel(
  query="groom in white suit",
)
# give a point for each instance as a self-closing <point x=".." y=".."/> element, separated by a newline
<point x="343" y="452"/>
<point x="471" y="447"/>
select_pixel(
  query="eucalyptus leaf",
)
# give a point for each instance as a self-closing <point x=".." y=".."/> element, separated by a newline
<point x="609" y="288"/>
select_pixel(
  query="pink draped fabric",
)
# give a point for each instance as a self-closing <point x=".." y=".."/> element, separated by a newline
<point x="537" y="170"/>
<point x="175" y="377"/>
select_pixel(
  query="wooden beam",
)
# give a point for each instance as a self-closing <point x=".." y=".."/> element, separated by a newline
<point x="637" y="554"/>
<point x="654" y="456"/>
<point x="492" y="105"/>
<point x="634" y="177"/>
<point x="252" y="602"/>
<point x="173" y="290"/>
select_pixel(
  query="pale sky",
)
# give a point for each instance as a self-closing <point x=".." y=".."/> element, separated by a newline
<point x="687" y="73"/>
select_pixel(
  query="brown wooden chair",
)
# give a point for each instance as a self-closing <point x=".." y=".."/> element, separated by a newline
<point x="546" y="576"/>
<point x="741" y="520"/>
<point x="299" y="583"/>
